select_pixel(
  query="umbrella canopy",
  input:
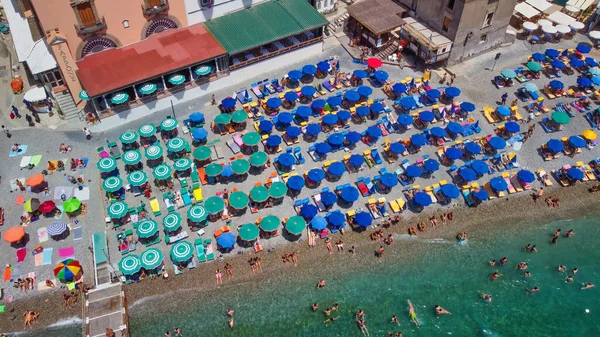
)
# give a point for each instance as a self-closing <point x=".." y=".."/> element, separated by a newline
<point x="467" y="106"/>
<point x="584" y="82"/>
<point x="318" y="104"/>
<point x="356" y="160"/>
<point x="450" y="190"/>
<point x="240" y="166"/>
<point x="228" y="102"/>
<point x="214" y="205"/>
<point x="534" y="66"/>
<point x="414" y="171"/>
<point x="176" y="144"/>
<point x="560" y="117"/>
<point x="453" y="153"/>
<point x="508" y="73"/>
<point x="223" y="119"/>
<point x="119" y="98"/>
<point x="277" y="189"/>
<point x="313" y="129"/>
<point x="557" y="64"/>
<point x="258" y="158"/>
<point x="497" y="143"/>
<point x="473" y="148"/>
<point x="202" y="153"/>
<point x="352" y="95"/>
<point x="397" y="148"/>
<point x="531" y="87"/>
<point x="334" y="101"/>
<point x="400" y="88"/>
<point x="182" y="164"/>
<point x="454" y="128"/>
<point x="526" y="176"/>
<point x="56" y="228"/>
<point x="353" y="137"/>
<point x="309" y="69"/>
<point x="480" y="194"/>
<point x="498" y="184"/>
<point x="33" y="205"/>
<point x="239" y="116"/>
<point x="128" y="137"/>
<point x="363" y="90"/>
<point x="199" y="134"/>
<point x="389" y="180"/>
<point x="285" y="118"/>
<point x="480" y="166"/>
<point x="323" y="66"/>
<point x="363" y="219"/>
<point x="422" y="199"/>
<point x="112" y="184"/>
<point x="181" y="251"/>
<point x="248" y="232"/>
<point x="162" y="172"/>
<point x="503" y="110"/>
<point x="452" y="92"/>
<point x="344" y="115"/>
<point x="467" y="174"/>
<point x="336" y="168"/>
<point x="328" y="198"/>
<point x="418" y="140"/>
<point x="238" y="200"/>
<point x="362" y="111"/>
<point x="589" y="134"/>
<point x="575" y="173"/>
<point x="318" y="223"/>
<point x="408" y="102"/>
<point x="360" y="74"/>
<point x="226" y="240"/>
<point x="431" y="165"/>
<point x="374" y="62"/>
<point x="14" y="234"/>
<point x="377" y="108"/>
<point x="293" y="131"/>
<point x="576" y="63"/>
<point x="259" y="194"/>
<point x="405" y="119"/>
<point x="286" y="159"/>
<point x="295" y="183"/>
<point x="322" y="148"/>
<point x="67" y="270"/>
<point x="270" y="223"/>
<point x="251" y="138"/>
<point x="438" y="132"/>
<point x="132" y="157"/>
<point x="35" y="180"/>
<point x="426" y="116"/>
<point x="308" y="90"/>
<point x="316" y="175"/>
<point x="154" y="152"/>
<point x="147" y="228"/>
<point x="295" y="225"/>
<point x="295" y="75"/>
<point x="197" y="117"/>
<point x="329" y="119"/>
<point x="47" y="206"/>
<point x="552" y="53"/>
<point x="197" y="213"/>
<point x="433" y="93"/>
<point x="84" y="95"/>
<point x="137" y="178"/>
<point x="349" y="194"/>
<point x="335" y="139"/>
<point x="336" y="219"/>
<point x="168" y="124"/>
<point x="555" y="145"/>
<point x="596" y="80"/>
<point x="130" y="264"/>
<point x="584" y="48"/>
<point x="176" y="79"/>
<point x="275" y="102"/>
<point x="374" y="131"/>
<point x="538" y="56"/>
<point x="151" y="258"/>
<point x="381" y="75"/>
<point x="117" y="210"/>
<point x="172" y="222"/>
<point x="576" y="141"/>
<point x="591" y="62"/>
<point x="512" y="127"/>
<point x="147" y="130"/>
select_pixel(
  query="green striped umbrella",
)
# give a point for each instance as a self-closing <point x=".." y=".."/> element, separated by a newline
<point x="128" y="137"/>
<point x="240" y="166"/>
<point x="147" y="130"/>
<point x="213" y="170"/>
<point x="154" y="152"/>
<point x="71" y="205"/>
<point x="249" y="232"/>
<point x="132" y="157"/>
<point x="130" y="264"/>
<point x="151" y="258"/>
<point x="168" y="124"/>
<point x="239" y="116"/>
<point x="270" y="223"/>
<point x="259" y="193"/>
<point x="117" y="210"/>
<point x="560" y="117"/>
<point x="214" y="205"/>
<point x="176" y="144"/>
<point x="112" y="184"/>
<point x="181" y="251"/>
<point x="295" y="225"/>
<point x="203" y="70"/>
<point x="147" y="88"/>
<point x="137" y="178"/>
<point x="172" y="222"/>
<point x="162" y="172"/>
<point x="223" y="119"/>
<point x="258" y="158"/>
<point x="176" y="79"/>
<point x="277" y="189"/>
<point x="251" y="138"/>
<point x="182" y="164"/>
<point x="238" y="200"/>
<point x="119" y="98"/>
<point x="84" y="95"/>
<point x="197" y="213"/>
<point x="202" y="153"/>
<point x="147" y="228"/>
<point x="106" y="165"/>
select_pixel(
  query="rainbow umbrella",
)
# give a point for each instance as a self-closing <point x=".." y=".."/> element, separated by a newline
<point x="67" y="270"/>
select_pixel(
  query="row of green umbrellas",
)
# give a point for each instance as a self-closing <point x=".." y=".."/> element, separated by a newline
<point x="150" y="259"/>
<point x="138" y="178"/>
<point x="238" y="116"/>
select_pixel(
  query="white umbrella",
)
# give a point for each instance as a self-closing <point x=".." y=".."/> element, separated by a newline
<point x="595" y="34"/>
<point x="530" y="25"/>
<point x="563" y="29"/>
<point x="549" y="29"/>
<point x="544" y="22"/>
<point x="576" y="25"/>
<point x="35" y="94"/>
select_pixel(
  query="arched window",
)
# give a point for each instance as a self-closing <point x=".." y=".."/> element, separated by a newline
<point x="160" y="25"/>
<point x="96" y="45"/>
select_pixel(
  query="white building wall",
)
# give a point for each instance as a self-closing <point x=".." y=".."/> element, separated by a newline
<point x="325" y="6"/>
<point x="196" y="13"/>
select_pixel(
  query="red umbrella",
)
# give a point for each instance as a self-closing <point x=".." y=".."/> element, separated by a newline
<point x="374" y="62"/>
<point x="47" y="206"/>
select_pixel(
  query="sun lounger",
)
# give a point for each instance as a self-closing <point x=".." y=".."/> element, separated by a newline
<point x="544" y="178"/>
<point x="511" y="189"/>
<point x="516" y="183"/>
<point x="466" y="192"/>
<point x="492" y="194"/>
<point x="320" y="205"/>
<point x="197" y="190"/>
<point x="210" y="254"/>
<point x="175" y="238"/>
<point x="155" y="206"/>
<point x="328" y="86"/>
<point x="200" y="250"/>
<point x="114" y="150"/>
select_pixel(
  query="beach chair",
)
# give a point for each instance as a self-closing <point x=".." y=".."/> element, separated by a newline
<point x="466" y="193"/>
<point x="544" y="178"/>
<point x="511" y="189"/>
<point x="492" y="194"/>
<point x="114" y="150"/>
<point x="185" y="196"/>
<point x="210" y="254"/>
<point x="155" y="206"/>
<point x="516" y="183"/>
<point x="200" y="250"/>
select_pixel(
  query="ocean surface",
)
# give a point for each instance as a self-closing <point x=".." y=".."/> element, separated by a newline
<point x="445" y="273"/>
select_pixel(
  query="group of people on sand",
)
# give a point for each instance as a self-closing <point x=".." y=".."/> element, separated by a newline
<point x="291" y="258"/>
<point x="254" y="263"/>
<point x="594" y="188"/>
<point x="25" y="284"/>
<point x="30" y="317"/>
<point x="433" y="221"/>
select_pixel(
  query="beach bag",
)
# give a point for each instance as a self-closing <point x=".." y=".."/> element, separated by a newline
<point x="12" y="115"/>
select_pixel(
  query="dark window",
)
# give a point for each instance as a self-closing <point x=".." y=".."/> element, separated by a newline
<point x="446" y="24"/>
<point x="86" y="14"/>
<point x="483" y="38"/>
<point x="488" y="19"/>
<point x="451" y="4"/>
<point x="154" y="3"/>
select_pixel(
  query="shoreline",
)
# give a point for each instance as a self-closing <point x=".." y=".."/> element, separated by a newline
<point x="576" y="202"/>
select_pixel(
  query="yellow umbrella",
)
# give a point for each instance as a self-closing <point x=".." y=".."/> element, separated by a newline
<point x="589" y="134"/>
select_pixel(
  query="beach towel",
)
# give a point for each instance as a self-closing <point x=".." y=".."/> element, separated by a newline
<point x="21" y="253"/>
<point x="42" y="235"/>
<point x="83" y="194"/>
<point x="20" y="200"/>
<point x="60" y="190"/>
<point x="66" y="252"/>
<point x="47" y="256"/>
<point x="37" y="258"/>
<point x="62" y="211"/>
<point x="71" y="286"/>
<point x="25" y="162"/>
<point x="77" y="235"/>
<point x="21" y="151"/>
<point x="42" y="285"/>
<point x="35" y="160"/>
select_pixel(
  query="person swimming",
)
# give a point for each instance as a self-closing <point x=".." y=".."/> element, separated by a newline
<point x="492" y="262"/>
<point x="569" y="279"/>
<point x="315" y="307"/>
<point x="588" y="286"/>
<point x="495" y="275"/>
<point x="441" y="311"/>
<point x="412" y="314"/>
<point x="487" y="297"/>
<point x="330" y="320"/>
<point x="321" y="284"/>
<point x="395" y="320"/>
<point x="534" y="290"/>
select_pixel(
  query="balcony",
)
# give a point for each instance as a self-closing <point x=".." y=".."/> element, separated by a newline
<point x="151" y="10"/>
<point x="83" y="30"/>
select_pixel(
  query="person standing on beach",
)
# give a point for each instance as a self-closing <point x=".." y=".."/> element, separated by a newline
<point x="380" y="252"/>
<point x="218" y="277"/>
<point x="504" y="98"/>
<point x="539" y="194"/>
<point x="229" y="270"/>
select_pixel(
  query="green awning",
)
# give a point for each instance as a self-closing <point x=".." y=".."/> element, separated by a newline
<point x="132" y="157"/>
<point x="147" y="130"/>
<point x="147" y="228"/>
<point x="203" y="70"/>
<point x="240" y="166"/>
<point x="295" y="225"/>
<point x="168" y="124"/>
<point x="117" y="210"/>
<point x="239" y="116"/>
<point x="251" y="138"/>
<point x="213" y="170"/>
<point x="119" y="98"/>
<point x="270" y="223"/>
<point x="137" y="178"/>
<point x="258" y="158"/>
<point x="162" y="172"/>
<point x="130" y="264"/>
<point x="176" y="79"/>
<point x="112" y="184"/>
<point x="248" y="232"/>
<point x="182" y="251"/>
<point x="106" y="165"/>
<point x="560" y="117"/>
<point x="176" y="144"/>
<point x="147" y="89"/>
<point x="128" y="137"/>
<point x="264" y="23"/>
<point x="238" y="200"/>
<point x="214" y="205"/>
<point x="197" y="213"/>
<point x="202" y="153"/>
<point x="182" y="164"/>
<point x="277" y="189"/>
<point x="172" y="222"/>
<point x="154" y="152"/>
<point x="223" y="119"/>
<point x="259" y="193"/>
<point x="151" y="258"/>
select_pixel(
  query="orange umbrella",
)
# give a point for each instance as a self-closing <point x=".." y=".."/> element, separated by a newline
<point x="14" y="234"/>
<point x="16" y="84"/>
<point x="35" y="179"/>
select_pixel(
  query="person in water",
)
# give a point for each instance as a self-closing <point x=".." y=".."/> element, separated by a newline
<point x="534" y="290"/>
<point x="569" y="279"/>
<point x="395" y="320"/>
<point x="570" y="233"/>
<point x="229" y="312"/>
<point x="588" y="286"/>
<point x="327" y="311"/>
<point x="412" y="314"/>
<point x="330" y="320"/>
<point x="492" y="262"/>
<point x="441" y="311"/>
<point x="321" y="284"/>
<point x="315" y="307"/>
<point x="495" y="275"/>
<point x="363" y="327"/>
<point x="487" y="297"/>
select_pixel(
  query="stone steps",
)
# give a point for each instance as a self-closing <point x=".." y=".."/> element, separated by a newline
<point x="67" y="105"/>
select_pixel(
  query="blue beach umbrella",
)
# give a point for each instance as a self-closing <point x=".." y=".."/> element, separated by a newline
<point x="531" y="87"/>
<point x="265" y="126"/>
<point x="285" y="118"/>
<point x="292" y="131"/>
<point x="526" y="176"/>
<point x="362" y="111"/>
<point x="334" y="101"/>
<point x="308" y="90"/>
<point x="467" y="106"/>
<point x="400" y="88"/>
<point x="363" y="219"/>
<point x="467" y="174"/>
<point x="329" y="119"/>
<point x="197" y="117"/>
<point x="313" y="129"/>
<point x="454" y="128"/>
<point x="503" y="111"/>
<point x="577" y="141"/>
<point x="453" y="153"/>
<point x="318" y="223"/>
<point x="408" y="102"/>
<point x="295" y="75"/>
<point x="228" y="103"/>
<point x="303" y="112"/>
<point x="374" y="131"/>
<point x="497" y="143"/>
<point x="309" y="69"/>
<point x="414" y="171"/>
<point x="422" y="199"/>
<point x="352" y="95"/>
<point x="508" y="73"/>
<point x="555" y="145"/>
<point x="389" y="180"/>
<point x="318" y="104"/>
<point x="349" y="194"/>
<point x="584" y="82"/>
<point x="551" y="53"/>
<point x="335" y="139"/>
<point x="226" y="240"/>
<point x="376" y="108"/>
<point x="308" y="211"/>
<point x="480" y="166"/>
<point x="450" y="190"/>
<point x="418" y="140"/>
<point x="363" y="90"/>
<point x="576" y="63"/>
<point x="596" y="80"/>
<point x="199" y="134"/>
<point x="322" y="148"/>
<point x="381" y="75"/>
<point x="512" y="127"/>
<point x="316" y="175"/>
<point x="575" y="173"/>
<point x="295" y="183"/>
<point x="426" y="116"/>
<point x="273" y="140"/>
<point x="335" y="219"/>
<point x="336" y="168"/>
<point x="431" y="165"/>
<point x="481" y="194"/>
<point x="290" y="96"/>
<point x="498" y="184"/>
<point x="594" y="71"/>
<point x="274" y="102"/>
<point x="433" y="93"/>
<point x="405" y="119"/>
<point x="473" y="148"/>
<point x="438" y="132"/>
<point x="356" y="160"/>
<point x="323" y="66"/>
<point x="557" y="64"/>
<point x="286" y="160"/>
<point x="452" y="92"/>
<point x="538" y="57"/>
<point x="397" y="148"/>
<point x="360" y="74"/>
<point x="353" y="137"/>
<point x="344" y="115"/>
<point x="591" y="62"/>
<point x="584" y="48"/>
<point x="328" y="198"/>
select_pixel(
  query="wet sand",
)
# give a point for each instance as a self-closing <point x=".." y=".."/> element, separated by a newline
<point x="509" y="212"/>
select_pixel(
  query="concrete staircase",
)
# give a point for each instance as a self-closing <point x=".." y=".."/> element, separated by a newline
<point x="67" y="105"/>
<point x="336" y="23"/>
<point x="382" y="55"/>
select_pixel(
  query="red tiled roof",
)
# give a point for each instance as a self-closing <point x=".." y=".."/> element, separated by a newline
<point x="158" y="54"/>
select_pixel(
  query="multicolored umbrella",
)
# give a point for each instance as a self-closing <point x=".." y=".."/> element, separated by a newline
<point x="249" y="232"/>
<point x="137" y="178"/>
<point x="32" y="205"/>
<point x="154" y="152"/>
<point x="259" y="193"/>
<point x="214" y="205"/>
<point x="238" y="200"/>
<point x="197" y="213"/>
<point x="162" y="172"/>
<point x="277" y="189"/>
<point x="130" y="264"/>
<point x="176" y="144"/>
<point x="151" y="258"/>
<point x="117" y="210"/>
<point x="240" y="166"/>
<point x="295" y="225"/>
<point x="168" y="124"/>
<point x="172" y="221"/>
<point x="128" y="137"/>
<point x="181" y="251"/>
<point x="182" y="164"/>
<point x="202" y="153"/>
<point x="147" y="228"/>
<point x="106" y="165"/>
<point x="67" y="270"/>
<point x="71" y="205"/>
<point x="147" y="130"/>
<point x="112" y="184"/>
<point x="132" y="157"/>
<point x="270" y="223"/>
